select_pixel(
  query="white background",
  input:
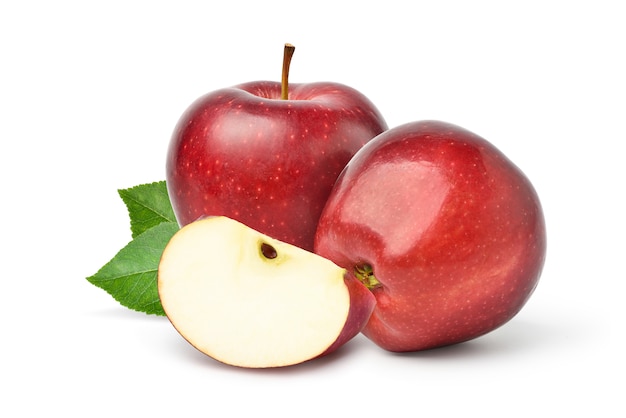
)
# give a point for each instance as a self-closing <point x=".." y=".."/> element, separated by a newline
<point x="90" y="92"/>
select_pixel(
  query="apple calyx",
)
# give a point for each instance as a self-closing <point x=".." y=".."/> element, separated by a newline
<point x="284" y="86"/>
<point x="365" y="274"/>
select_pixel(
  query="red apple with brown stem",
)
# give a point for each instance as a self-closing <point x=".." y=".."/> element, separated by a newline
<point x="444" y="229"/>
<point x="266" y="153"/>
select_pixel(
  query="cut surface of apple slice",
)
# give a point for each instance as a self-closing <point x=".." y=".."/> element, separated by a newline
<point x="248" y="300"/>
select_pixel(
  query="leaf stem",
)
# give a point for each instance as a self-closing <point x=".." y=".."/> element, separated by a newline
<point x="284" y="85"/>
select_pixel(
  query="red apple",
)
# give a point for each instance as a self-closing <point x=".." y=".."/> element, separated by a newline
<point x="270" y="163"/>
<point x="444" y="229"/>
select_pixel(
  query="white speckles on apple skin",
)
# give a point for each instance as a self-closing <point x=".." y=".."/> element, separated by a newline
<point x="469" y="270"/>
<point x="270" y="162"/>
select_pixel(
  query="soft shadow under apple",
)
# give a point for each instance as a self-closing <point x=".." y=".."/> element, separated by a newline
<point x="519" y="335"/>
<point x="186" y="351"/>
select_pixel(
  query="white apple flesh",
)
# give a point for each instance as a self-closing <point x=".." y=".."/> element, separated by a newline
<point x="248" y="300"/>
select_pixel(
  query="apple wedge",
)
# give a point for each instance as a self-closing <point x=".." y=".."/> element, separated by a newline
<point x="248" y="300"/>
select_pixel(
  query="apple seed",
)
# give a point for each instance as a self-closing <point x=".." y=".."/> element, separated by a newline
<point x="268" y="251"/>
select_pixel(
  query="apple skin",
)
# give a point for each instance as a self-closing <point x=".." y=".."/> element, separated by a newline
<point x="244" y="153"/>
<point x="362" y="304"/>
<point x="453" y="232"/>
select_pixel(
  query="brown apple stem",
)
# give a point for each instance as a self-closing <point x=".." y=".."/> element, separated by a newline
<point x="284" y="86"/>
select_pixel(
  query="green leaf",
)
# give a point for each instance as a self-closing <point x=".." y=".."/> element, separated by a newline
<point x="148" y="205"/>
<point x="131" y="276"/>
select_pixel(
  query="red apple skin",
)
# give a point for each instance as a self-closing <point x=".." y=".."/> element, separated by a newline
<point x="269" y="163"/>
<point x="453" y="230"/>
<point x="362" y="304"/>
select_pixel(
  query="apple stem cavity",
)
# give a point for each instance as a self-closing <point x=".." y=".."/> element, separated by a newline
<point x="268" y="251"/>
<point x="365" y="274"/>
<point x="284" y="87"/>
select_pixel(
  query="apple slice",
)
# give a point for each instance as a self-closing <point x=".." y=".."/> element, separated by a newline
<point x="248" y="300"/>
